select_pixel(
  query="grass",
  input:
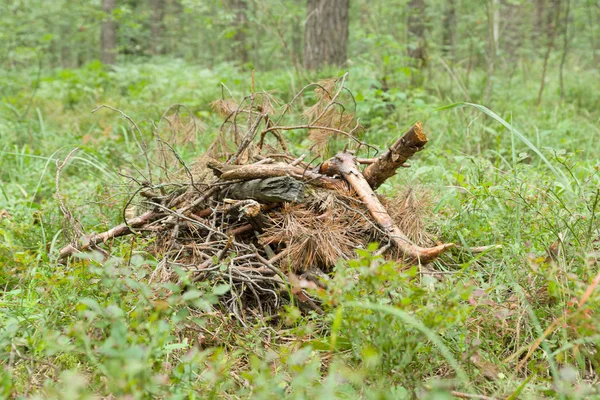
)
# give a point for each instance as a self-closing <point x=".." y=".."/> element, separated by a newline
<point x="508" y="173"/>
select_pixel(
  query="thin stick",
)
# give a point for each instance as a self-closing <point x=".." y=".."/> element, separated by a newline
<point x="142" y="145"/>
<point x="322" y="128"/>
<point x="119" y="230"/>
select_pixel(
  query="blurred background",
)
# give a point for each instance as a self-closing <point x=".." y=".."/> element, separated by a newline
<point x="393" y="40"/>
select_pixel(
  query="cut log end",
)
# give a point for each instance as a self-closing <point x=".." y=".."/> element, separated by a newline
<point x="384" y="167"/>
<point x="419" y="133"/>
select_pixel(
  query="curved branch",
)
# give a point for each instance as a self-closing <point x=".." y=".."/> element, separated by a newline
<point x="344" y="164"/>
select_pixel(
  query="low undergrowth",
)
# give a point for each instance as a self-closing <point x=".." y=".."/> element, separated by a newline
<point x="520" y="320"/>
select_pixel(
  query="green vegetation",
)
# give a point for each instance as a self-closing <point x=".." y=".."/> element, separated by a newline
<point x="514" y="173"/>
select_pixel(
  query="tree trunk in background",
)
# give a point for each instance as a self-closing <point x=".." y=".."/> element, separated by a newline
<point x="416" y="32"/>
<point x="326" y="33"/>
<point x="592" y="28"/>
<point x="297" y="40"/>
<point x="173" y="34"/>
<point x="565" y="49"/>
<point x="240" y="48"/>
<point x="552" y="28"/>
<point x="66" y="48"/>
<point x="450" y="30"/>
<point x="538" y="21"/>
<point x="157" y="26"/>
<point x="108" y="51"/>
<point x="493" y="40"/>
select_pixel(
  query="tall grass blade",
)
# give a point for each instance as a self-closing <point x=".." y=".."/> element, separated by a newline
<point x="559" y="174"/>
<point x="418" y="325"/>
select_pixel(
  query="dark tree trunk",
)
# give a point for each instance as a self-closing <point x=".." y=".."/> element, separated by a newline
<point x="493" y="12"/>
<point x="565" y="49"/>
<point x="240" y="52"/>
<point x="552" y="30"/>
<point x="174" y="34"/>
<point x="592" y="11"/>
<point x="538" y="24"/>
<point x="108" y="51"/>
<point x="450" y="30"/>
<point x="157" y="26"/>
<point x="66" y="48"/>
<point x="416" y="32"/>
<point x="326" y="33"/>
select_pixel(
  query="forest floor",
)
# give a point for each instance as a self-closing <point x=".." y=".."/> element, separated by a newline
<point x="517" y="321"/>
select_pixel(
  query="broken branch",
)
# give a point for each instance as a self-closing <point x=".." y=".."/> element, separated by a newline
<point x="344" y="164"/>
<point x="404" y="148"/>
<point x="261" y="171"/>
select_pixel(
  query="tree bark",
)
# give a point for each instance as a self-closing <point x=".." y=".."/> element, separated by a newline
<point x="108" y="51"/>
<point x="450" y="30"/>
<point x="493" y="12"/>
<point x="552" y="29"/>
<point x="592" y="11"/>
<point x="326" y="33"/>
<point x="262" y="171"/>
<point x="404" y="148"/>
<point x="157" y="26"/>
<point x="565" y="50"/>
<point x="538" y="21"/>
<point x="270" y="190"/>
<point x="240" y="48"/>
<point x="344" y="164"/>
<point x="417" y="45"/>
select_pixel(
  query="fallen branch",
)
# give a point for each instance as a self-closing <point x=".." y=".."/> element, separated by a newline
<point x="119" y="230"/>
<point x="222" y="230"/>
<point x="404" y="148"/>
<point x="261" y="171"/>
<point x="462" y="395"/>
<point x="344" y="164"/>
<point x="270" y="190"/>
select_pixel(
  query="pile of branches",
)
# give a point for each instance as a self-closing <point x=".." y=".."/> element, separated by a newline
<point x="268" y="222"/>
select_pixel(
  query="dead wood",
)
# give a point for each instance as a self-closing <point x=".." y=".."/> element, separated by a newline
<point x="267" y="223"/>
<point x="261" y="171"/>
<point x="270" y="190"/>
<point x="404" y="148"/>
<point x="86" y="243"/>
<point x="344" y="164"/>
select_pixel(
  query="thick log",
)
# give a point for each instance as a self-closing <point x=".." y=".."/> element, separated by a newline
<point x="270" y="190"/>
<point x="261" y="171"/>
<point x="344" y="164"/>
<point x="404" y="148"/>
